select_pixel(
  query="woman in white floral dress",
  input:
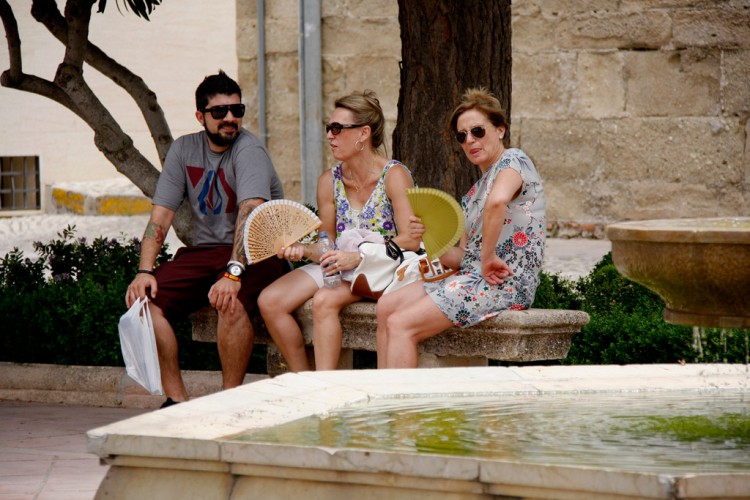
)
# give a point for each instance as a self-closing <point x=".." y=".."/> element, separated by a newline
<point x="363" y="191"/>
<point x="500" y="254"/>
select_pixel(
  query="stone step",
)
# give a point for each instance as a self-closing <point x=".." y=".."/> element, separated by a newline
<point x="106" y="197"/>
<point x="108" y="386"/>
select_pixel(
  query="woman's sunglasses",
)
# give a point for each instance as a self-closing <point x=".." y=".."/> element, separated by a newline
<point x="335" y="128"/>
<point x="219" y="112"/>
<point x="477" y="132"/>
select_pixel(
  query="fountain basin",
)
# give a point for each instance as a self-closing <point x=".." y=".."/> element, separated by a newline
<point x="700" y="267"/>
<point x="192" y="449"/>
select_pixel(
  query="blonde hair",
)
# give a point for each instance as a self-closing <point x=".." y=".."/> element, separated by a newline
<point x="366" y="109"/>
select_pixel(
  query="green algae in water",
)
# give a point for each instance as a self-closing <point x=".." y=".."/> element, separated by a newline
<point x="727" y="428"/>
<point x="670" y="432"/>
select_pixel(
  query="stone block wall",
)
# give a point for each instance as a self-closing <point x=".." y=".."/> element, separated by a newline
<point x="632" y="109"/>
<point x="361" y="49"/>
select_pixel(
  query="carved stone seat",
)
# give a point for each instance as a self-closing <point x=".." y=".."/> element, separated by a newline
<point x="514" y="336"/>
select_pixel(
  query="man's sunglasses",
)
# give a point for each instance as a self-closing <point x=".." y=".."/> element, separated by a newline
<point x="219" y="112"/>
<point x="477" y="132"/>
<point x="335" y="128"/>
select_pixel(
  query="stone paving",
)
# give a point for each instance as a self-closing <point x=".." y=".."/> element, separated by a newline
<point x="43" y="455"/>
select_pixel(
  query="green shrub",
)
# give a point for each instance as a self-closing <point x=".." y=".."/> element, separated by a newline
<point x="555" y="292"/>
<point x="627" y="326"/>
<point x="64" y="306"/>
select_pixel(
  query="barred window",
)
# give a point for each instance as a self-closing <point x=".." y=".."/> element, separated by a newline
<point x="19" y="183"/>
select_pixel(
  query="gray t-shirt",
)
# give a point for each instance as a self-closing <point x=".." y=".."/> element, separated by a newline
<point x="215" y="183"/>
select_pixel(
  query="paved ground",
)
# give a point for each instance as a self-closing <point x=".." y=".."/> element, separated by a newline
<point x="43" y="450"/>
<point x="43" y="447"/>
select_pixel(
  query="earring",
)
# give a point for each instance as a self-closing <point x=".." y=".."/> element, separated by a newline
<point x="359" y="150"/>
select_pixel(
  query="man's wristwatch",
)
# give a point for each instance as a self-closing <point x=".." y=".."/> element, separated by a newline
<point x="235" y="268"/>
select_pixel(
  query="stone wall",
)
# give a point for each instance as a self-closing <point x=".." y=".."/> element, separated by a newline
<point x="361" y="49"/>
<point x="634" y="109"/>
<point x="631" y="109"/>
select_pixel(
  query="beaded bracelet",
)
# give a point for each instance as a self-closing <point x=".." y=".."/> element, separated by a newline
<point x="231" y="276"/>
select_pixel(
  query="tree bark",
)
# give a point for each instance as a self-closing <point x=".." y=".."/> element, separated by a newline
<point x="447" y="47"/>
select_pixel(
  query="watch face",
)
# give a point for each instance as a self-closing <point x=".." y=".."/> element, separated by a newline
<point x="234" y="270"/>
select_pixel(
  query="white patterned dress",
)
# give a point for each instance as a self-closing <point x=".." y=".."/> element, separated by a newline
<point x="466" y="298"/>
<point x="377" y="213"/>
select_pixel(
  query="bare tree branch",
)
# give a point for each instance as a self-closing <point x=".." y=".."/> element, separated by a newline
<point x="46" y="12"/>
<point x="71" y="90"/>
<point x="77" y="17"/>
<point x="39" y="86"/>
<point x="14" y="41"/>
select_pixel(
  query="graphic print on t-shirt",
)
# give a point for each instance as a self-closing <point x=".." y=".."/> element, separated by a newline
<point x="213" y="197"/>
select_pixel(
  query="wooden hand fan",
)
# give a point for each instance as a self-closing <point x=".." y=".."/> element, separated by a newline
<point x="442" y="216"/>
<point x="276" y="224"/>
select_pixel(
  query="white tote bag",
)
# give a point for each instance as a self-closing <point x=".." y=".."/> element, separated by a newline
<point x="139" y="346"/>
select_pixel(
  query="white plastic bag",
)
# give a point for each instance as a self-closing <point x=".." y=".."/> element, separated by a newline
<point x="139" y="346"/>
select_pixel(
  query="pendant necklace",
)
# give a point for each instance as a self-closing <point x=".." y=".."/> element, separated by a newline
<point x="357" y="187"/>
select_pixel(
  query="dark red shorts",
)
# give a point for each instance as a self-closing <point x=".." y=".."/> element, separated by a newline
<point x="184" y="281"/>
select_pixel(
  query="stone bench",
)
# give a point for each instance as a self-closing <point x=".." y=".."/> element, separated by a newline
<point x="513" y="336"/>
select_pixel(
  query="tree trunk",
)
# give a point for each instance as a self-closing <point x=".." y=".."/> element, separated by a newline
<point x="447" y="47"/>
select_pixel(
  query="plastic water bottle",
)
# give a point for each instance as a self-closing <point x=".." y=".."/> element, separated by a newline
<point x="324" y="245"/>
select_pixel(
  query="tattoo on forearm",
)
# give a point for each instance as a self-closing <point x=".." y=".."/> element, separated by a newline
<point x="244" y="210"/>
<point x="238" y="243"/>
<point x="154" y="231"/>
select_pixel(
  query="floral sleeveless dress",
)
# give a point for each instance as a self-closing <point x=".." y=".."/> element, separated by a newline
<point x="376" y="215"/>
<point x="466" y="298"/>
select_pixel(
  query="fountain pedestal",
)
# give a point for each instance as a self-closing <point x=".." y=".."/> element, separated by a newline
<point x="700" y="267"/>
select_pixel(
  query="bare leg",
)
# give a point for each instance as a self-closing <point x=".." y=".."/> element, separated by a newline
<point x="410" y="325"/>
<point x="235" y="344"/>
<point x="169" y="364"/>
<point x="277" y="302"/>
<point x="327" y="304"/>
<point x="387" y="305"/>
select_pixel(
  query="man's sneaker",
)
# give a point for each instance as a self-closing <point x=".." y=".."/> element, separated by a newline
<point x="169" y="402"/>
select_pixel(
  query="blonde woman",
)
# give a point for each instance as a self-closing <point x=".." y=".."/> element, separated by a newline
<point x="364" y="190"/>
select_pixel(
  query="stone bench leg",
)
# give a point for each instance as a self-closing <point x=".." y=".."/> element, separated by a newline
<point x="429" y="360"/>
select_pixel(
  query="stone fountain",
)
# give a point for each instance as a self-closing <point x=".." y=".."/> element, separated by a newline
<point x="700" y="267"/>
<point x="194" y="449"/>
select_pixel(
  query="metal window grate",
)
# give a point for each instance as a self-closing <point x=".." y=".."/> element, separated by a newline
<point x="19" y="183"/>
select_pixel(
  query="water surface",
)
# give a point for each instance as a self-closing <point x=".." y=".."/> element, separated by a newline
<point x="669" y="432"/>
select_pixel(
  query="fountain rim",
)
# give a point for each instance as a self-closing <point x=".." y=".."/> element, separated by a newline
<point x="710" y="230"/>
<point x="192" y="435"/>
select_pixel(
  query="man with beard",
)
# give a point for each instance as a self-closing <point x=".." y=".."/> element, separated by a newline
<point x="224" y="172"/>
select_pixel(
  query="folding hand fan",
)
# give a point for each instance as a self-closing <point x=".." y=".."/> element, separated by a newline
<point x="442" y="216"/>
<point x="275" y="224"/>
